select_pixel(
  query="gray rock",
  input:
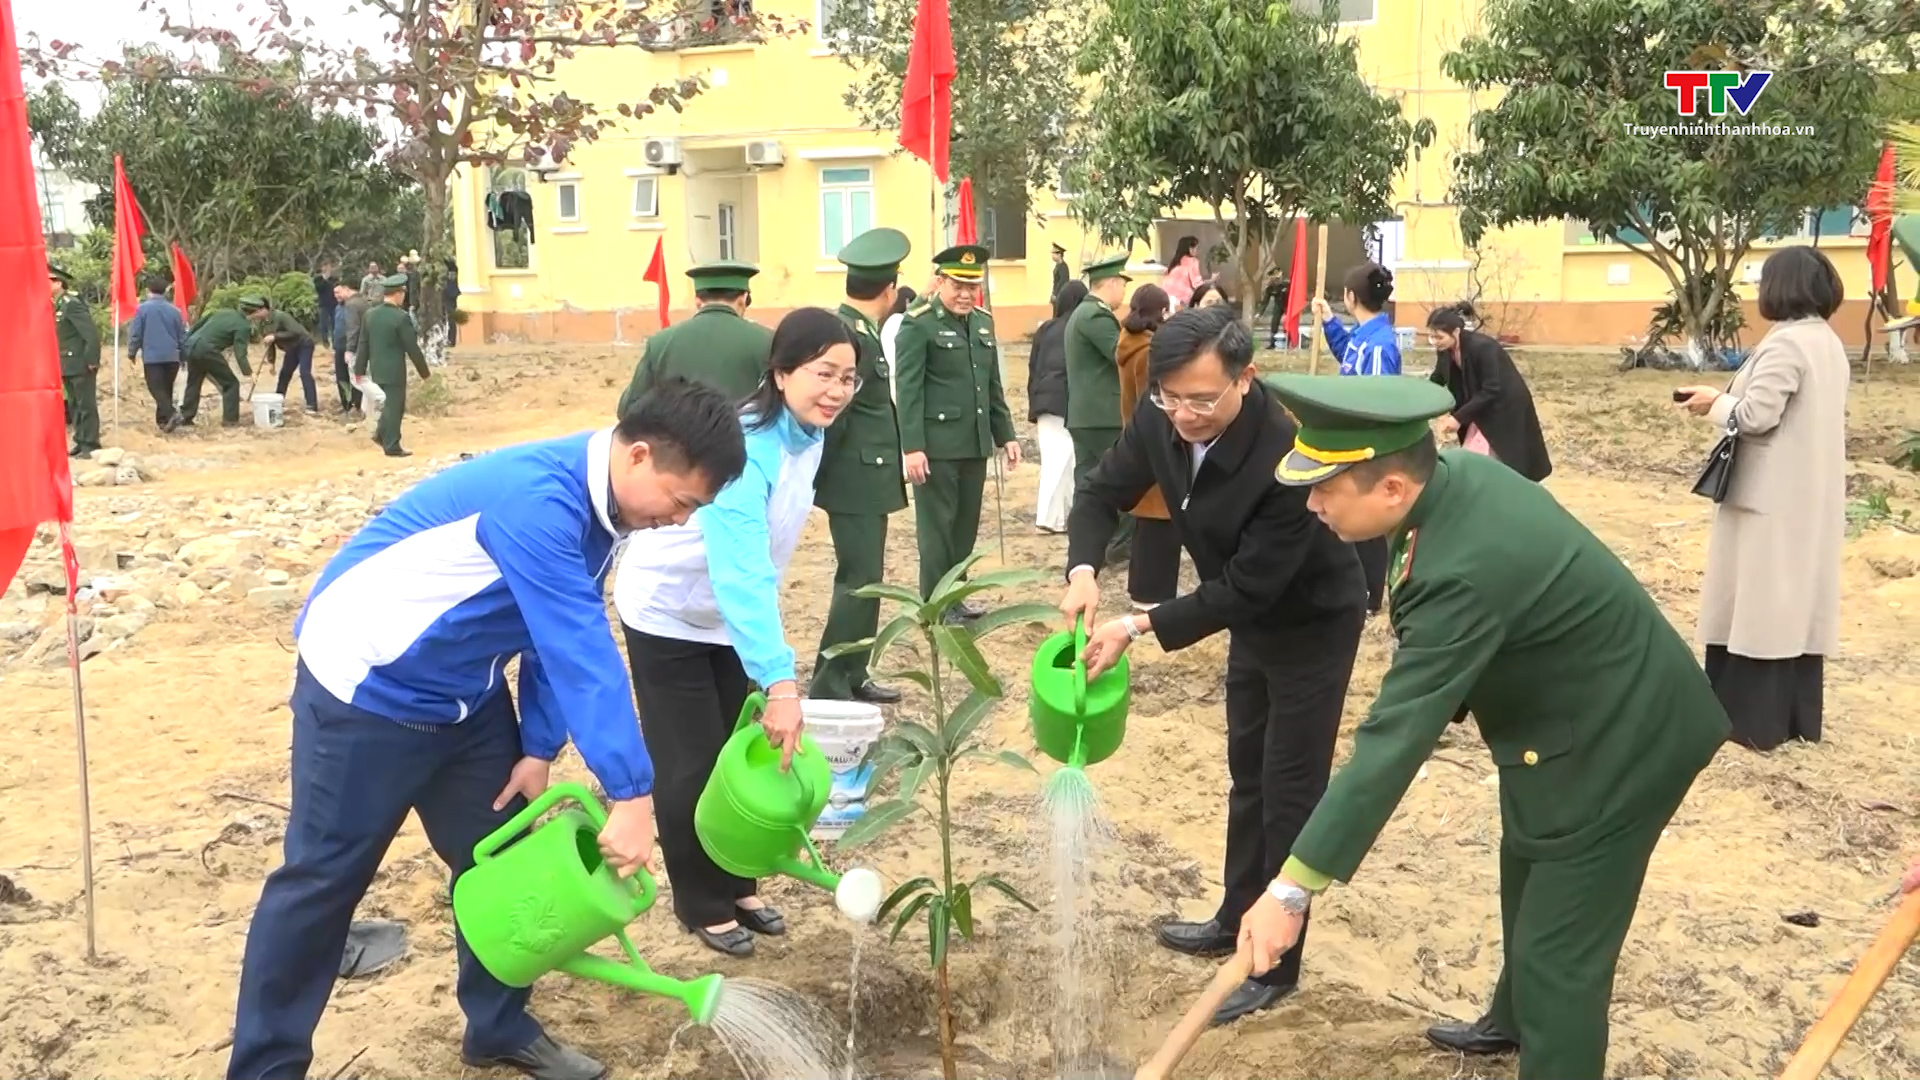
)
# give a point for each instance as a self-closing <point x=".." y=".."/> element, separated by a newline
<point x="123" y="626"/>
<point x="112" y="455"/>
<point x="189" y="594"/>
<point x="91" y="478"/>
<point x="277" y="577"/>
<point x="206" y="579"/>
<point x="273" y="596"/>
<point x="18" y="631"/>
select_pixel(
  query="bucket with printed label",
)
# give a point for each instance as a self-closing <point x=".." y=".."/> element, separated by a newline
<point x="844" y="730"/>
<point x="268" y="409"/>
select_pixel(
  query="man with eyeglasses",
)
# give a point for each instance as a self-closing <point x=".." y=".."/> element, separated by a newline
<point x="1289" y="592"/>
<point x="953" y="413"/>
<point x="859" y="482"/>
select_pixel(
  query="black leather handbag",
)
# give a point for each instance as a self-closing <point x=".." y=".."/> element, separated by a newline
<point x="1718" y="472"/>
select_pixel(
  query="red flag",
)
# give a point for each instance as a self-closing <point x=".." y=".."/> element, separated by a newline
<point x="657" y="273"/>
<point x="1880" y="212"/>
<point x="926" y="96"/>
<point x="965" y="231"/>
<point x="34" y="483"/>
<point x="128" y="231"/>
<point x="185" y="286"/>
<point x="1297" y="282"/>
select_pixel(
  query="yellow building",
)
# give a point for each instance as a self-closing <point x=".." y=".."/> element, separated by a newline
<point x="769" y="166"/>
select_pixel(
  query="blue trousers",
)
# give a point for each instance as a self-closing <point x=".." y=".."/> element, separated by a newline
<point x="355" y="776"/>
<point x="299" y="358"/>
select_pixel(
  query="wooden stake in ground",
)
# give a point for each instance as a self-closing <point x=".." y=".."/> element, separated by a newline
<point x="1319" y="290"/>
<point x="1847" y="1005"/>
<point x="1198" y="1018"/>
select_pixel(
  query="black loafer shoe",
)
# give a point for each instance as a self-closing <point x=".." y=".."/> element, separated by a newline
<point x="543" y="1059"/>
<point x="1479" y="1037"/>
<point x="764" y="920"/>
<point x="1250" y="998"/>
<point x="873" y="693"/>
<point x="737" y="942"/>
<point x="397" y="452"/>
<point x="1205" y="939"/>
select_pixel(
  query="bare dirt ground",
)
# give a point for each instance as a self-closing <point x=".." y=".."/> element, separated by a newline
<point x="188" y="733"/>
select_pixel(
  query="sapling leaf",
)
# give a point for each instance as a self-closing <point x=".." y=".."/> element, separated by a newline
<point x="890" y="634"/>
<point x="882" y="591"/>
<point x="914" y="776"/>
<point x="915" y="676"/>
<point x="945" y="600"/>
<point x="1045" y="614"/>
<point x="877" y="820"/>
<point x="938" y="918"/>
<point x="956" y="644"/>
<point x="952" y="577"/>
<point x="846" y="648"/>
<point x="1004" y="757"/>
<point x="922" y="739"/>
<point x="963" y="910"/>
<point x="911" y="888"/>
<point x="960" y="726"/>
<point x="907" y="913"/>
<point x="994" y="882"/>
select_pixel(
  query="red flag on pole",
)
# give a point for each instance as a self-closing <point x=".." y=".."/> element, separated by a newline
<point x="1296" y="281"/>
<point x="185" y="285"/>
<point x="926" y="96"/>
<point x="1880" y="213"/>
<point x="965" y="231"/>
<point x="128" y="231"/>
<point x="657" y="273"/>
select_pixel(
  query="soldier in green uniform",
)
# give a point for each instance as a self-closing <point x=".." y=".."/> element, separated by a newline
<point x="211" y="335"/>
<point x="1592" y="707"/>
<point x="718" y="345"/>
<point x="1093" y="378"/>
<point x="79" y="343"/>
<point x="389" y="340"/>
<point x="859" y="480"/>
<point x="953" y="413"/>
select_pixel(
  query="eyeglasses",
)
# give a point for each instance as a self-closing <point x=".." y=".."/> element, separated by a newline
<point x="1196" y="406"/>
<point x="851" y="382"/>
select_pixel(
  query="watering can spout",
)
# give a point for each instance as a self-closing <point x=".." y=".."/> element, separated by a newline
<point x="701" y="996"/>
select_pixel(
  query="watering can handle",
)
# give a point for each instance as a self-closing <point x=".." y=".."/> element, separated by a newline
<point x="1079" y="665"/>
<point x="641" y="884"/>
<point x="750" y="710"/>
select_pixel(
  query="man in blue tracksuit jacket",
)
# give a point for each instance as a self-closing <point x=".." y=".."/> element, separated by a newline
<point x="1370" y="348"/>
<point x="400" y="701"/>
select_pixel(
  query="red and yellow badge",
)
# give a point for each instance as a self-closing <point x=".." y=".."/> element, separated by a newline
<point x="968" y="258"/>
<point x="1402" y="566"/>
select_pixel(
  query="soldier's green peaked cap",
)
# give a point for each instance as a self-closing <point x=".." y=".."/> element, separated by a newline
<point x="723" y="274"/>
<point x="254" y="303"/>
<point x="394" y="281"/>
<point x="963" y="262"/>
<point x="1346" y="419"/>
<point x="55" y="273"/>
<point x="1110" y="267"/>
<point x="876" y="252"/>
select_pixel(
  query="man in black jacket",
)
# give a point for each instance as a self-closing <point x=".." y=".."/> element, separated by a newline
<point x="1288" y="590"/>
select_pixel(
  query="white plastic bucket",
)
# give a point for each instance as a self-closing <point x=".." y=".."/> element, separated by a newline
<point x="268" y="410"/>
<point x="843" y="730"/>
<point x="1403" y="338"/>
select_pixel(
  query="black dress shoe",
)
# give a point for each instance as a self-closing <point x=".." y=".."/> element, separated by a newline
<point x="761" y="920"/>
<point x="1479" y="1037"/>
<point x="542" y="1059"/>
<point x="397" y="452"/>
<point x="1204" y="939"/>
<point x="1250" y="998"/>
<point x="874" y="694"/>
<point x="737" y="942"/>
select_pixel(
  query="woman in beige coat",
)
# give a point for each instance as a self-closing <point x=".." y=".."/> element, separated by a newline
<point x="1770" y="606"/>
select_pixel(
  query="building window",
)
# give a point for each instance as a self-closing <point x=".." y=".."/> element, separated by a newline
<point x="569" y="199"/>
<point x="846" y="207"/>
<point x="1003" y="225"/>
<point x="1350" y="11"/>
<point x="646" y="196"/>
<point x="512" y="249"/>
<point x="56" y="214"/>
<point x="833" y="14"/>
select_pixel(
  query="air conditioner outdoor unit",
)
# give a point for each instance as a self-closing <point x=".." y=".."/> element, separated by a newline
<point x="764" y="152"/>
<point x="661" y="153"/>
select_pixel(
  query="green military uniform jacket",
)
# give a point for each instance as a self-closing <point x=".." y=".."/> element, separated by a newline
<point x="1505" y="606"/>
<point x="217" y="331"/>
<point x="79" y="338"/>
<point x="948" y="384"/>
<point x="285" y="331"/>
<point x="860" y="463"/>
<point x="390" y="341"/>
<point x="717" y="346"/>
<point x="1093" y="373"/>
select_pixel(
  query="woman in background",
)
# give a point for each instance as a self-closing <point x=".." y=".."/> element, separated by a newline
<point x="1368" y="349"/>
<point x="1183" y="274"/>
<point x="1770" y="604"/>
<point x="1153" y="566"/>
<point x="891" y="328"/>
<point x="1208" y="295"/>
<point x="1047" y="408"/>
<point x="1492" y="409"/>
<point x="700" y="605"/>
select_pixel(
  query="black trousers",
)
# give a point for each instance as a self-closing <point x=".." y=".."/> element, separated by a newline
<point x="1153" y="566"/>
<point x="160" y="379"/>
<point x="1284" y="697"/>
<point x="1089" y="446"/>
<point x="1374" y="556"/>
<point x="1769" y="701"/>
<point x="298" y="359"/>
<point x="689" y="695"/>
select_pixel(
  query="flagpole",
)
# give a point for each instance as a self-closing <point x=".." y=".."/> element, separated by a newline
<point x="116" y="368"/>
<point x="79" y="729"/>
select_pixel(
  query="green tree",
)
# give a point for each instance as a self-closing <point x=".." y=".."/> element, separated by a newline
<point x="1579" y="80"/>
<point x="1258" y="112"/>
<point x="1014" y="97"/>
<point x="248" y="182"/>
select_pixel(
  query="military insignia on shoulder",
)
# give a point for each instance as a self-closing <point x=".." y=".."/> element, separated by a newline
<point x="918" y="308"/>
<point x="1403" y="559"/>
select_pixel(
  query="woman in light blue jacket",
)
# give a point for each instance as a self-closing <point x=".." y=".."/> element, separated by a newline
<point x="700" y="605"/>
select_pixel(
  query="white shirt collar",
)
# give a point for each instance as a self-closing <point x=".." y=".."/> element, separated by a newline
<point x="599" y="479"/>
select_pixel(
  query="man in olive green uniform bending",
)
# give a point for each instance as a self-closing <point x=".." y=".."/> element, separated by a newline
<point x="1592" y="707"/>
<point x="79" y="343"/>
<point x="214" y="333"/>
<point x="859" y="480"/>
<point x="718" y="345"/>
<point x="389" y="340"/>
<point x="1093" y="378"/>
<point x="953" y="413"/>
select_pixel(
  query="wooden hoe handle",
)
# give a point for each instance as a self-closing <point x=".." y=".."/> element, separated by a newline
<point x="1847" y="1005"/>
<point x="1187" y="1032"/>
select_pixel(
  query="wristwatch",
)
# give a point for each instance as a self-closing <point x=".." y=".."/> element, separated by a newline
<point x="1292" y="897"/>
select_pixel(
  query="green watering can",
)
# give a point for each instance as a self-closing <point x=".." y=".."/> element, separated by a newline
<point x="753" y="819"/>
<point x="537" y="905"/>
<point x="1077" y="722"/>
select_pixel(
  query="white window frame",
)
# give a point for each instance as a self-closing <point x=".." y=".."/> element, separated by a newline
<point x="650" y="182"/>
<point x="844" y="190"/>
<point x="560" y="201"/>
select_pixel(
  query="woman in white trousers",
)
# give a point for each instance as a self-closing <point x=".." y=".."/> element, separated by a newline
<point x="1047" y="408"/>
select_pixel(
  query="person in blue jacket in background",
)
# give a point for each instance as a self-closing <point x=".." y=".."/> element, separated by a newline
<point x="1368" y="349"/>
<point x="158" y="334"/>
<point x="700" y="604"/>
<point x="400" y="702"/>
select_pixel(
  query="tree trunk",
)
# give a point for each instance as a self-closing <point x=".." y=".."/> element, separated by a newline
<point x="947" y="1065"/>
<point x="434" y="250"/>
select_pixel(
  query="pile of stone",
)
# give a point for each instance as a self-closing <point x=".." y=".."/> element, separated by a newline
<point x="111" y="467"/>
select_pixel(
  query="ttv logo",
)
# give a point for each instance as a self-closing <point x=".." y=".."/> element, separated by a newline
<point x="1721" y="86"/>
